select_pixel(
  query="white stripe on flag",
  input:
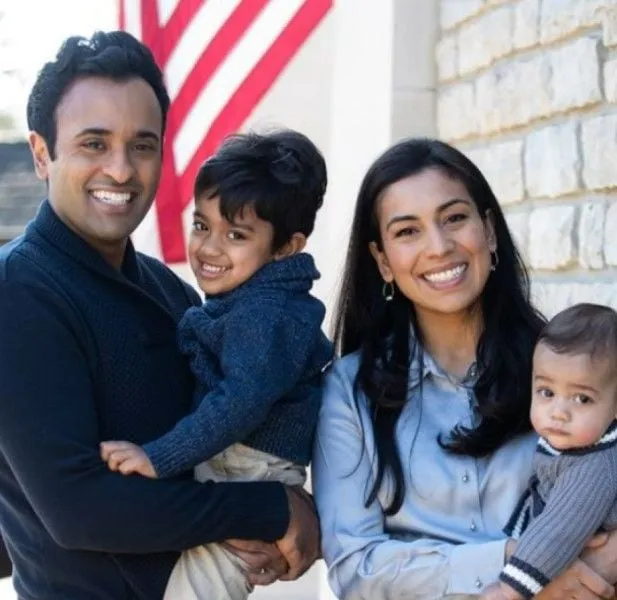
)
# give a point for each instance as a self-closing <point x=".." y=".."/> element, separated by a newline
<point x="238" y="64"/>
<point x="166" y="9"/>
<point x="132" y="17"/>
<point x="194" y="40"/>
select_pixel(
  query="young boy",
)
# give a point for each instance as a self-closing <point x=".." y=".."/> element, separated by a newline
<point x="256" y="345"/>
<point x="573" y="491"/>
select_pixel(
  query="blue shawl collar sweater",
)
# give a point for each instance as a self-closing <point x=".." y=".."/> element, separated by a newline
<point x="89" y="353"/>
<point x="259" y="355"/>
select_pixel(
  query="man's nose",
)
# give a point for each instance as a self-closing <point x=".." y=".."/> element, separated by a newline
<point x="119" y="166"/>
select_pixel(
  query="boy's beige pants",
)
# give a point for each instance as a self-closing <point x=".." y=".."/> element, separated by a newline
<point x="210" y="572"/>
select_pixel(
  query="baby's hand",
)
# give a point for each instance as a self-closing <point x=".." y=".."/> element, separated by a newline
<point x="500" y="591"/>
<point x="127" y="458"/>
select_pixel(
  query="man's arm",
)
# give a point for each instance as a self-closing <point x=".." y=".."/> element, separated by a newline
<point x="49" y="437"/>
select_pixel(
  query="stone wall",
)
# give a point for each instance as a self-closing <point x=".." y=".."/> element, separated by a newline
<point x="528" y="90"/>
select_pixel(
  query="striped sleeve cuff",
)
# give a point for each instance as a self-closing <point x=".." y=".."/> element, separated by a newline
<point x="523" y="577"/>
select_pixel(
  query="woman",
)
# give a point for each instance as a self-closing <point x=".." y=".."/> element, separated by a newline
<point x="424" y="444"/>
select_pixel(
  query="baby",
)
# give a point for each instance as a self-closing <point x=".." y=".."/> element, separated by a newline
<point x="573" y="491"/>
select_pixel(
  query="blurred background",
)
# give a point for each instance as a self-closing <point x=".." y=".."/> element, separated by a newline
<point x="527" y="88"/>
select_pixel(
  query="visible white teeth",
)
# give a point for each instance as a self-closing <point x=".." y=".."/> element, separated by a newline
<point x="114" y="198"/>
<point x="213" y="268"/>
<point x="444" y="276"/>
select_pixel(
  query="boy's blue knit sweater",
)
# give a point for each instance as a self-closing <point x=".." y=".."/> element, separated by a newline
<point x="259" y="353"/>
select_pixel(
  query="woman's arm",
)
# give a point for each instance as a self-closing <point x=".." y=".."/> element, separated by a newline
<point x="364" y="561"/>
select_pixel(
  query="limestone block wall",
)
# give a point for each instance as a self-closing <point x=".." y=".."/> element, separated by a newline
<point x="528" y="90"/>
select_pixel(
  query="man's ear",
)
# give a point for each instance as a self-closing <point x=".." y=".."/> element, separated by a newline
<point x="40" y="154"/>
<point x="382" y="262"/>
<point x="296" y="244"/>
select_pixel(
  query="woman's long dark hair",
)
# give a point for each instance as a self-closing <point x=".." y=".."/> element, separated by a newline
<point x="381" y="330"/>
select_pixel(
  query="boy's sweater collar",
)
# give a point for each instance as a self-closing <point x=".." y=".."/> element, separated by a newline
<point x="608" y="439"/>
<point x="292" y="274"/>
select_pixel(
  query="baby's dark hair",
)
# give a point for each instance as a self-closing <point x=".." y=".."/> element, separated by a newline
<point x="583" y="329"/>
<point x="281" y="175"/>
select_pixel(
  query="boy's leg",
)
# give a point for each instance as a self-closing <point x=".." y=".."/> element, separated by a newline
<point x="210" y="572"/>
<point x="207" y="573"/>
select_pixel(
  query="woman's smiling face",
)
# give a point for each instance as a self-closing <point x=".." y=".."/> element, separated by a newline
<point x="435" y="246"/>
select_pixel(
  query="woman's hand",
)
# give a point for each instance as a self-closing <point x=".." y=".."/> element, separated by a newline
<point x="603" y="558"/>
<point x="579" y="582"/>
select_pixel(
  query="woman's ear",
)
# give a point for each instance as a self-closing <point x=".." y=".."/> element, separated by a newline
<point x="40" y="154"/>
<point x="382" y="262"/>
<point x="296" y="244"/>
<point x="489" y="228"/>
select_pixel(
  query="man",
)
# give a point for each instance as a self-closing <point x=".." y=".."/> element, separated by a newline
<point x="88" y="353"/>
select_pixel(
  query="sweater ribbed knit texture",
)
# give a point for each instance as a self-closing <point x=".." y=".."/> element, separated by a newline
<point x="578" y="489"/>
<point x="258" y="353"/>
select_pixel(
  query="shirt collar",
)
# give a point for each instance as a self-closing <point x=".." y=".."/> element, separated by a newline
<point x="606" y="441"/>
<point x="423" y="365"/>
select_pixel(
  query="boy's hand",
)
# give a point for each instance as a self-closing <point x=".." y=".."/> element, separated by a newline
<point x="500" y="591"/>
<point x="127" y="458"/>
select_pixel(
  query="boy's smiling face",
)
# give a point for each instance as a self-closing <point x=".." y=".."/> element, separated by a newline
<point x="224" y="254"/>
<point x="574" y="397"/>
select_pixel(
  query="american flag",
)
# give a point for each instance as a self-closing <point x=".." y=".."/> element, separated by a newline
<point x="219" y="58"/>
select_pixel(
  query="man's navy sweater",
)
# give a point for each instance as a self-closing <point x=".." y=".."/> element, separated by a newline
<point x="88" y="353"/>
<point x="259" y="353"/>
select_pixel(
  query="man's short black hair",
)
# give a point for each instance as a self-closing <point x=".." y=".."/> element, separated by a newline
<point x="583" y="329"/>
<point x="281" y="175"/>
<point x="116" y="55"/>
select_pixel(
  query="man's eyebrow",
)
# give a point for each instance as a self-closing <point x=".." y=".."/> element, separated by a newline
<point x="102" y="132"/>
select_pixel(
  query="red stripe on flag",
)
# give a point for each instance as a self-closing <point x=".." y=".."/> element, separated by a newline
<point x="180" y="19"/>
<point x="256" y="84"/>
<point x="211" y="59"/>
<point x="168" y="203"/>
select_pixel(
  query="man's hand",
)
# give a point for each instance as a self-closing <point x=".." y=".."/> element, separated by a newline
<point x="301" y="543"/>
<point x="264" y="562"/>
<point x="580" y="582"/>
<point x="127" y="458"/>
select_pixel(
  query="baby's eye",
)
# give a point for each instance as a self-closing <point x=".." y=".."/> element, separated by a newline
<point x="545" y="392"/>
<point x="583" y="399"/>
<point x="199" y="226"/>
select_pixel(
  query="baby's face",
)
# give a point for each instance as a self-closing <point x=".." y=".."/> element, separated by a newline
<point x="574" y="398"/>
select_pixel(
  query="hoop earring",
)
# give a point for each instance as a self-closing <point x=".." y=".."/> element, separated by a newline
<point x="388" y="291"/>
<point x="494" y="260"/>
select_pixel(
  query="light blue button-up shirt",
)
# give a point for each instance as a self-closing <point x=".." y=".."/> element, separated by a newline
<point x="447" y="538"/>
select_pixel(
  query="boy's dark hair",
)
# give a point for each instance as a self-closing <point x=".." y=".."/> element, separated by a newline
<point x="281" y="175"/>
<point x="583" y="329"/>
<point x="116" y="55"/>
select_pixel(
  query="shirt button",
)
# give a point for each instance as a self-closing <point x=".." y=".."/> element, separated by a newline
<point x="465" y="478"/>
<point x="473" y="526"/>
<point x="478" y="583"/>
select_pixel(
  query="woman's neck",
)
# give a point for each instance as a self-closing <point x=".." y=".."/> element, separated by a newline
<point x="451" y="339"/>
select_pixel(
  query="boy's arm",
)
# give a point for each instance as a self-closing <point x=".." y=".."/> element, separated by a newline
<point x="579" y="502"/>
<point x="49" y="438"/>
<point x="265" y="353"/>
